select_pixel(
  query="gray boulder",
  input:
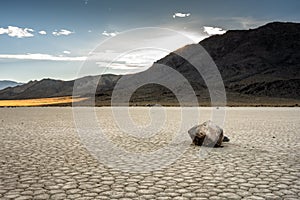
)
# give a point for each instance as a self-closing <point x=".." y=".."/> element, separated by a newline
<point x="207" y="134"/>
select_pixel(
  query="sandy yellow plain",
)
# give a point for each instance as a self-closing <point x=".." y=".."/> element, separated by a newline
<point x="40" y="101"/>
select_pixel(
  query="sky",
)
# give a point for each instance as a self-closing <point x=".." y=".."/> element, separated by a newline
<point x="55" y="38"/>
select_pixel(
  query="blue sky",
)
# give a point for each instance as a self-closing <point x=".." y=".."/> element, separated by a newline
<point x="50" y="39"/>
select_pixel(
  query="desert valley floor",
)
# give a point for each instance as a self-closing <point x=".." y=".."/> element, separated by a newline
<point x="42" y="157"/>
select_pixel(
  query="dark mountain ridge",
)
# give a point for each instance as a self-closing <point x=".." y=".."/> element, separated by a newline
<point x="263" y="62"/>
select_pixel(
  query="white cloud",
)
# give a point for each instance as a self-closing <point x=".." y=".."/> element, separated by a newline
<point x="66" y="52"/>
<point x="18" y="32"/>
<point x="3" y="31"/>
<point x="62" y="32"/>
<point x="116" y="65"/>
<point x="89" y="31"/>
<point x="156" y="43"/>
<point x="39" y="56"/>
<point x="110" y="34"/>
<point x="213" y="30"/>
<point x="181" y="15"/>
<point x="42" y="32"/>
<point x="135" y="61"/>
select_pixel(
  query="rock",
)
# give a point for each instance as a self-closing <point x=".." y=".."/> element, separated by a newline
<point x="226" y="139"/>
<point x="207" y="134"/>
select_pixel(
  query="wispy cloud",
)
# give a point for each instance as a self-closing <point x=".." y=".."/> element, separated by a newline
<point x="133" y="62"/>
<point x="110" y="34"/>
<point x="37" y="56"/>
<point x="66" y="52"/>
<point x="62" y="32"/>
<point x="156" y="44"/>
<point x="14" y="31"/>
<point x="42" y="32"/>
<point x="213" y="30"/>
<point x="179" y="14"/>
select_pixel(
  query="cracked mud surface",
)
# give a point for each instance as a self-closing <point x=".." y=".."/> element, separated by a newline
<point x="42" y="157"/>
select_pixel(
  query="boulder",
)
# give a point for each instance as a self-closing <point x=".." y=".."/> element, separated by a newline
<point x="207" y="134"/>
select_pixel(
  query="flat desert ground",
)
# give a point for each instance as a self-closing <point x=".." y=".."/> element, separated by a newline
<point x="43" y="157"/>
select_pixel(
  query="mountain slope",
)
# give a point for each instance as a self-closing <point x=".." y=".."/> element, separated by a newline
<point x="5" y="84"/>
<point x="256" y="60"/>
<point x="265" y="54"/>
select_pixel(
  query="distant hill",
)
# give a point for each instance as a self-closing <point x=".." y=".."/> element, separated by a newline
<point x="5" y="84"/>
<point x="55" y="88"/>
<point x="258" y="66"/>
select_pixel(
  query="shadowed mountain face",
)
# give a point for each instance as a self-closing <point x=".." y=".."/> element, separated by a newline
<point x="57" y="88"/>
<point x="38" y="89"/>
<point x="262" y="63"/>
<point x="5" y="84"/>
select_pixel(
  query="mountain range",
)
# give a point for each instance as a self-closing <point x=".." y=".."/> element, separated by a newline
<point x="6" y="83"/>
<point x="258" y="66"/>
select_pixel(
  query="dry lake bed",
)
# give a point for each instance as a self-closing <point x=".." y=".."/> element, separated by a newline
<point x="43" y="157"/>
